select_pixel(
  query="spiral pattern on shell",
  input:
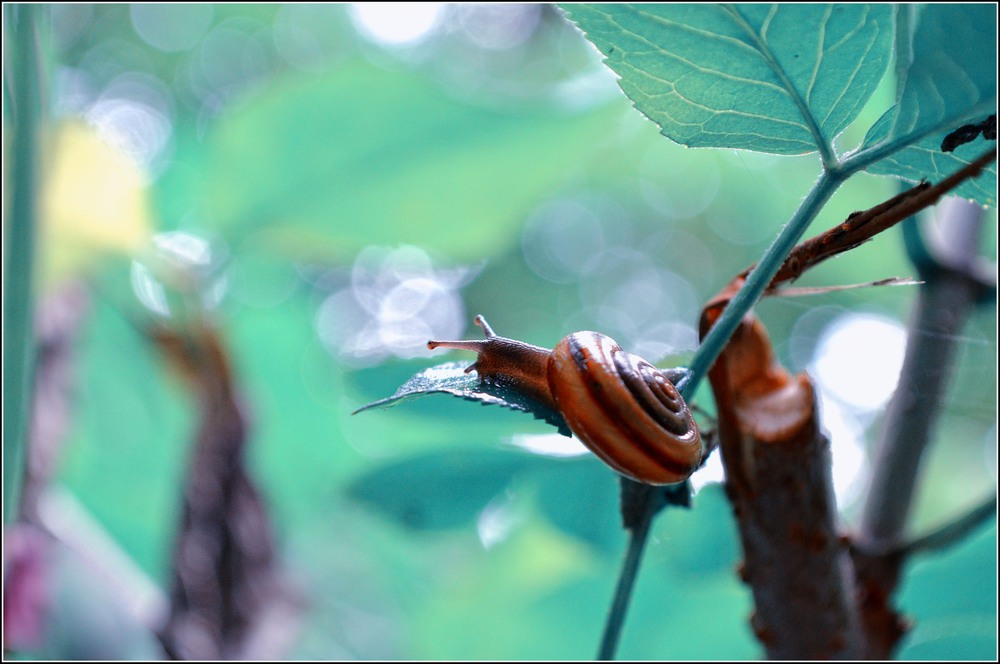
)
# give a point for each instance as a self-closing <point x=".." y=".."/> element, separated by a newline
<point x="624" y="409"/>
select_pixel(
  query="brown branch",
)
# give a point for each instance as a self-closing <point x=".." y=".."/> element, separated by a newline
<point x="224" y="566"/>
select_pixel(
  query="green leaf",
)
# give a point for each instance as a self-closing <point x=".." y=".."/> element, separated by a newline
<point x="783" y="78"/>
<point x="440" y="490"/>
<point x="451" y="378"/>
<point x="580" y="497"/>
<point x="366" y="156"/>
<point x="951" y="82"/>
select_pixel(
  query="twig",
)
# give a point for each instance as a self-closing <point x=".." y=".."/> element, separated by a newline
<point x="862" y="226"/>
<point x="942" y="306"/>
<point x="953" y="532"/>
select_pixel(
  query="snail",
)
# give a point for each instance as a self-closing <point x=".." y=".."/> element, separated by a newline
<point x="622" y="407"/>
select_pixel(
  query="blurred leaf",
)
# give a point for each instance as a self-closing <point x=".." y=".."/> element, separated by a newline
<point x="94" y="203"/>
<point x="439" y="490"/>
<point x="451" y="378"/>
<point x="580" y="497"/>
<point x="499" y="605"/>
<point x="368" y="156"/>
<point x="125" y="457"/>
<point x="951" y="82"/>
<point x="771" y="78"/>
<point x="954" y="609"/>
<point x="693" y="617"/>
<point x="704" y="538"/>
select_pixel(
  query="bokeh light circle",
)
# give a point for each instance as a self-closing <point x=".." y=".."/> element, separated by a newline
<point x="858" y="359"/>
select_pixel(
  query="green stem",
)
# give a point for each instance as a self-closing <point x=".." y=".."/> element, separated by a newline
<point x="758" y="280"/>
<point x="626" y="580"/>
<point x="19" y="241"/>
<point x="704" y="358"/>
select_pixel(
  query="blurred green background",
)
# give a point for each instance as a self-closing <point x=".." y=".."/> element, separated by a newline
<point x="346" y="182"/>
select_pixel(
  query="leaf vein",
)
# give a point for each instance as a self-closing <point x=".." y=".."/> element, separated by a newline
<point x="700" y="68"/>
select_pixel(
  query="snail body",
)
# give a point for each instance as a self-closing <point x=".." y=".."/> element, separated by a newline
<point x="619" y="405"/>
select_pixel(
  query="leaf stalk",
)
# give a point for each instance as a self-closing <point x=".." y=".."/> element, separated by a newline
<point x="638" y="535"/>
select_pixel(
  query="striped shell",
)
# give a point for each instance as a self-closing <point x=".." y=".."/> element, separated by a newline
<point x="624" y="409"/>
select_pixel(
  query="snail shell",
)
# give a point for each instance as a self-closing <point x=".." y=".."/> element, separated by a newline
<point x="622" y="407"/>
